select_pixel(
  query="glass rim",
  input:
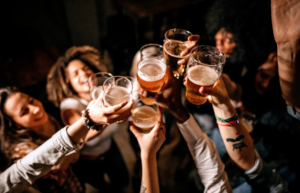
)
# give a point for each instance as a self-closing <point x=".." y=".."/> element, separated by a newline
<point x="95" y="75"/>
<point x="197" y="61"/>
<point x="148" y="45"/>
<point x="139" y="100"/>
<point x="118" y="97"/>
<point x="187" y="32"/>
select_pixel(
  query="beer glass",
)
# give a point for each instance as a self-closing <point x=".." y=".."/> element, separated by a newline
<point x="144" y="116"/>
<point x="95" y="83"/>
<point x="135" y="88"/>
<point x="151" y="74"/>
<point x="204" y="68"/>
<point x="117" y="89"/>
<point x="175" y="43"/>
<point x="151" y="51"/>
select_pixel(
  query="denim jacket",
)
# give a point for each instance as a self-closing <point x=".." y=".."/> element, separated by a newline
<point x="19" y="176"/>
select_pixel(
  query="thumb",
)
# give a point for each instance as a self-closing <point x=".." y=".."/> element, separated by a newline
<point x="210" y="90"/>
<point x="134" y="130"/>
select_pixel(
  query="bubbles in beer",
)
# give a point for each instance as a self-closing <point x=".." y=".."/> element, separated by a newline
<point x="144" y="118"/>
<point x="116" y="95"/>
<point x="175" y="47"/>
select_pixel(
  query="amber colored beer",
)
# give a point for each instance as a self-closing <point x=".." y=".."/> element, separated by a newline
<point x="144" y="118"/>
<point x="199" y="76"/>
<point x="172" y="51"/>
<point x="151" y="74"/>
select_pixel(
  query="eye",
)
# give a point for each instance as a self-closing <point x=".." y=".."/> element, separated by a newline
<point x="31" y="101"/>
<point x="229" y="40"/>
<point x="25" y="112"/>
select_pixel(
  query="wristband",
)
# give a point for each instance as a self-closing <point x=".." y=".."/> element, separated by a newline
<point x="90" y="124"/>
<point x="228" y="122"/>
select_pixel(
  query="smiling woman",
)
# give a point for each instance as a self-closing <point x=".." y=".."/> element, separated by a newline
<point x="24" y="125"/>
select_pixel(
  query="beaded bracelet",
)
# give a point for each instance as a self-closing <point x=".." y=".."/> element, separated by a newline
<point x="90" y="124"/>
<point x="228" y="122"/>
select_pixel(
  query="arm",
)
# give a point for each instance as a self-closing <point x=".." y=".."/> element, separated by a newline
<point x="239" y="144"/>
<point x="150" y="143"/>
<point x="286" y="29"/>
<point x="203" y="150"/>
<point x="37" y="163"/>
<point x="71" y="116"/>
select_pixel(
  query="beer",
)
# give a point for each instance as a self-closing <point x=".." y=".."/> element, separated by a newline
<point x="198" y="76"/>
<point x="151" y="74"/>
<point x="172" y="51"/>
<point x="116" y="95"/>
<point x="144" y="118"/>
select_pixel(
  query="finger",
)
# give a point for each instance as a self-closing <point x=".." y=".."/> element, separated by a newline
<point x="194" y="38"/>
<point x="209" y="90"/>
<point x="192" y="41"/>
<point x="182" y="62"/>
<point x="114" y="109"/>
<point x="135" y="131"/>
<point x="100" y="98"/>
<point x="158" y="124"/>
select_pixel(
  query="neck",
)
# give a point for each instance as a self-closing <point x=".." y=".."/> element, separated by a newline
<point x="86" y="96"/>
<point x="46" y="130"/>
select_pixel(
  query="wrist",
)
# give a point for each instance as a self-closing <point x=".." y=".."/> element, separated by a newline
<point x="180" y="114"/>
<point x="224" y="111"/>
<point x="148" y="156"/>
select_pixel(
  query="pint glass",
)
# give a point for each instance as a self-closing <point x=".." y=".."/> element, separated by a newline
<point x="117" y="89"/>
<point x="95" y="83"/>
<point x="204" y="68"/>
<point x="151" y="74"/>
<point x="144" y="116"/>
<point x="175" y="43"/>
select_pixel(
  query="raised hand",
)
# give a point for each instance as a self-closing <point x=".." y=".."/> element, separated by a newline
<point x="151" y="142"/>
<point x="107" y="115"/>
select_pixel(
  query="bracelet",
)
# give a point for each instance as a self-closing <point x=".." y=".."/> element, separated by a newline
<point x="228" y="122"/>
<point x="90" y="124"/>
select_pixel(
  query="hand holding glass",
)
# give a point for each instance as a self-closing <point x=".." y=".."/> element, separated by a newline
<point x="144" y="116"/>
<point x="204" y="68"/>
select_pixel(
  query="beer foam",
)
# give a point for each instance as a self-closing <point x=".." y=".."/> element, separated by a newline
<point x="151" y="70"/>
<point x="202" y="75"/>
<point x="144" y="117"/>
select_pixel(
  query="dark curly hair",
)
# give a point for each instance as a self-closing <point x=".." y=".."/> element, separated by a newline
<point x="250" y="23"/>
<point x="58" y="85"/>
<point x="10" y="135"/>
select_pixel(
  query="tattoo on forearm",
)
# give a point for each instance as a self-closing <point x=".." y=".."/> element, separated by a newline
<point x="143" y="189"/>
<point x="239" y="138"/>
<point x="239" y="146"/>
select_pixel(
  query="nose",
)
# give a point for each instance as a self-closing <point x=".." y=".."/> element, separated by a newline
<point x="35" y="109"/>
<point x="219" y="44"/>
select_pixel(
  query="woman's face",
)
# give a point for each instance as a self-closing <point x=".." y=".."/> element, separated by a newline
<point x="225" y="42"/>
<point x="25" y="111"/>
<point x="78" y="73"/>
<point x="266" y="73"/>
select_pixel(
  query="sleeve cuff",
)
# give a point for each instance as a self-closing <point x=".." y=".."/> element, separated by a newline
<point x="191" y="130"/>
<point x="63" y="143"/>
<point x="256" y="169"/>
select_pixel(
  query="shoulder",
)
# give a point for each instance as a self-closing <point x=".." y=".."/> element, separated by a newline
<point x="72" y="103"/>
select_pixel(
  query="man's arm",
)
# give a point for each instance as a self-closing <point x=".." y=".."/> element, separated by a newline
<point x="286" y="29"/>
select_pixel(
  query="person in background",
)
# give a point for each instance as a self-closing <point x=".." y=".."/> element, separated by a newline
<point x="65" y="142"/>
<point x="24" y="125"/>
<point x="67" y="87"/>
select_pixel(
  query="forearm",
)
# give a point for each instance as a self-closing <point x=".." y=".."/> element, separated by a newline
<point x="289" y="72"/>
<point x="149" y="174"/>
<point x="91" y="134"/>
<point x="77" y="130"/>
<point x="237" y="140"/>
<point x="207" y="160"/>
<point x="37" y="163"/>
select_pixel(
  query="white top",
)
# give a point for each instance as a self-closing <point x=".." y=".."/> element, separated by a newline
<point x="206" y="157"/>
<point x="19" y="176"/>
<point x="100" y="143"/>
